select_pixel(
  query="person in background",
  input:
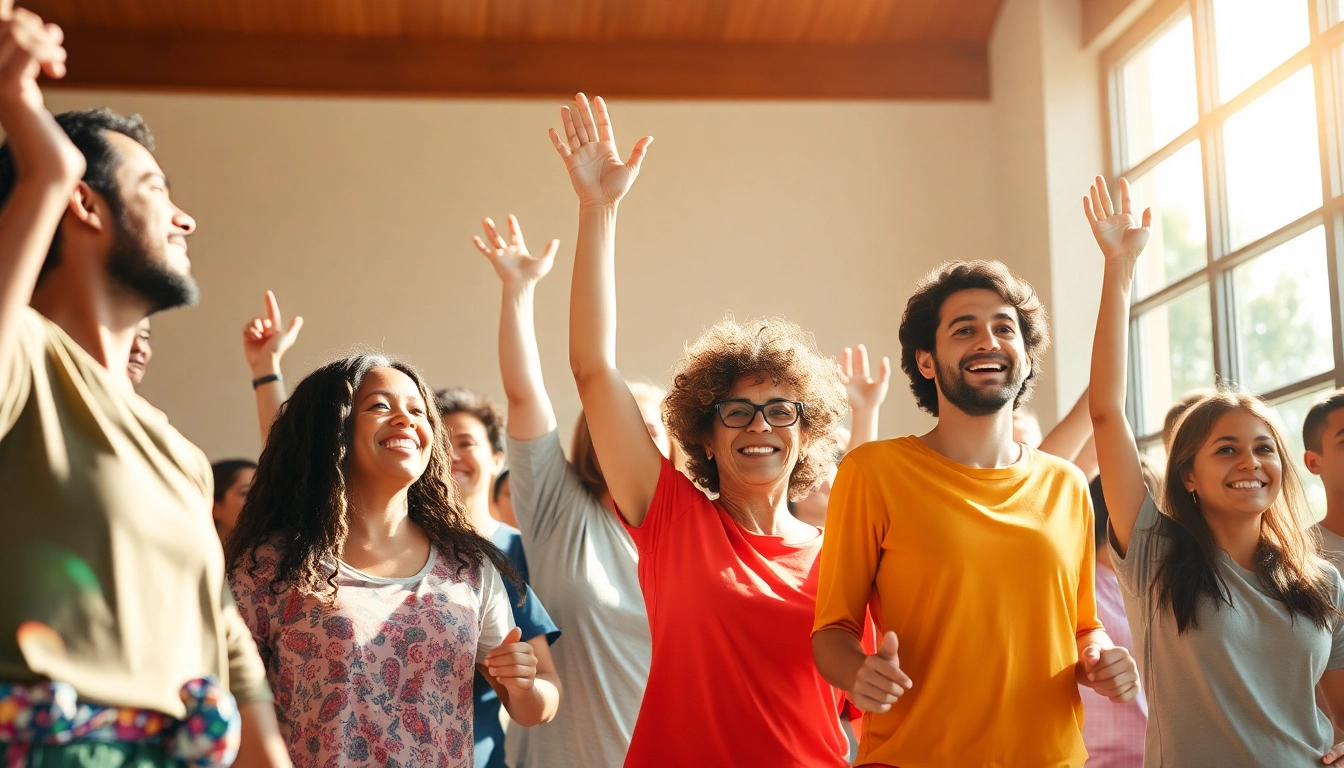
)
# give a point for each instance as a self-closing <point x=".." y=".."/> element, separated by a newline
<point x="582" y="560"/>
<point x="866" y="396"/>
<point x="1071" y="438"/>
<point x="141" y="352"/>
<point x="959" y="534"/>
<point x="476" y="431"/>
<point x="1177" y="409"/>
<point x="501" y="500"/>
<point x="1323" y="436"/>
<point x="265" y="341"/>
<point x="1239" y="617"/>
<point x="368" y="591"/>
<point x="115" y="603"/>
<point x="1113" y="734"/>
<point x="233" y="479"/>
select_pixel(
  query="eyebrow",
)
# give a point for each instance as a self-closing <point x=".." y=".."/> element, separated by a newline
<point x="389" y="393"/>
<point x="1233" y="439"/>
<point x="973" y="318"/>
<point x="159" y="175"/>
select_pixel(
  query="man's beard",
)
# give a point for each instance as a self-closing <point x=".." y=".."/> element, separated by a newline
<point x="138" y="267"/>
<point x="975" y="401"/>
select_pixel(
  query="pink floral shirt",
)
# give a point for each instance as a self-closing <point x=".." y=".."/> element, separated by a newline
<point x="382" y="677"/>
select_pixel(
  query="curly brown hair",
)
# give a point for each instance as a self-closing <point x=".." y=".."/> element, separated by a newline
<point x="923" y="314"/>
<point x="483" y="409"/>
<point x="300" y="503"/>
<point x="772" y="349"/>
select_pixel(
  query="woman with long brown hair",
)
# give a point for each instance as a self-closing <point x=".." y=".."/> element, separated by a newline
<point x="369" y="594"/>
<point x="1235" y="615"/>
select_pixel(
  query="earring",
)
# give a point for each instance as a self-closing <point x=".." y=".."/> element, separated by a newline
<point x="1194" y="496"/>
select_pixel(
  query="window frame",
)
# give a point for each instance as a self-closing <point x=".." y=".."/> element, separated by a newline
<point x="1324" y="55"/>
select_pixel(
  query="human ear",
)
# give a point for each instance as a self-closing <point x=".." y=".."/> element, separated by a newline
<point x="88" y="207"/>
<point x="1313" y="462"/>
<point x="924" y="361"/>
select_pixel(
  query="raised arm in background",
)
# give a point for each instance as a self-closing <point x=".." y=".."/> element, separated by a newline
<point x="1071" y="434"/>
<point x="265" y="341"/>
<point x="47" y="165"/>
<point x="630" y="460"/>
<point x="530" y="413"/>
<point x="1121" y="241"/>
<point x="865" y="393"/>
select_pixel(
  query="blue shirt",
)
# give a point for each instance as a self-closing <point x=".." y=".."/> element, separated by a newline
<point x="532" y="619"/>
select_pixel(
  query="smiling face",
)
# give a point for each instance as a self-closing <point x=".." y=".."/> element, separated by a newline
<point x="1238" y="470"/>
<point x="226" y="510"/>
<point x="141" y="352"/>
<point x="980" y="361"/>
<point x="475" y="465"/>
<point x="756" y="458"/>
<point x="149" y="246"/>
<point x="392" y="433"/>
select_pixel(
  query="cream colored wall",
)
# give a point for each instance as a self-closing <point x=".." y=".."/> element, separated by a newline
<point x="359" y="213"/>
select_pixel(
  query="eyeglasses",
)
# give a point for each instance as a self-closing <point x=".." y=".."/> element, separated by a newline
<point x="736" y="414"/>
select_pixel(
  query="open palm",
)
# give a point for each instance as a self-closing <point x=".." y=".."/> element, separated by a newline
<point x="1118" y="234"/>
<point x="511" y="260"/>
<point x="589" y="151"/>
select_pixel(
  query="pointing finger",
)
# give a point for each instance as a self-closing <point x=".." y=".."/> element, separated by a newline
<point x="551" y="248"/>
<point x="272" y="309"/>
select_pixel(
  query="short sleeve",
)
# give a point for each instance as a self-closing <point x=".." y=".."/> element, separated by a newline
<point x="547" y="494"/>
<point x="16" y="378"/>
<point x="1086" y="604"/>
<point x="673" y="497"/>
<point x="496" y="614"/>
<point x="247" y="674"/>
<point x="1137" y="568"/>
<point x="254" y="601"/>
<point x="857" y="520"/>
<point x="530" y="615"/>
<point x="1336" y="660"/>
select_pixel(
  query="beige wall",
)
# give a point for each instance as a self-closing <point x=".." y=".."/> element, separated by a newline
<point x="359" y="213"/>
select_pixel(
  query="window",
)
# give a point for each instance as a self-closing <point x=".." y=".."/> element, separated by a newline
<point x="1227" y="116"/>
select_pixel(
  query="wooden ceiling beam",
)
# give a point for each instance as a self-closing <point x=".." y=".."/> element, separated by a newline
<point x="121" y="59"/>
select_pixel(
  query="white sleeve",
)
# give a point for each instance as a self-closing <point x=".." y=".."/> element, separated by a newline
<point x="495" y="612"/>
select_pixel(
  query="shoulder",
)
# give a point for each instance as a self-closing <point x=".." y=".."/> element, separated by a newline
<point x="883" y="452"/>
<point x="1057" y="469"/>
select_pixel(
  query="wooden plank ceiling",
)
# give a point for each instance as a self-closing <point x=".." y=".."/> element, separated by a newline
<point x="864" y="49"/>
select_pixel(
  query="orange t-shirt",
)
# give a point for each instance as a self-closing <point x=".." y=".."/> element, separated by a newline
<point x="732" y="682"/>
<point x="986" y="576"/>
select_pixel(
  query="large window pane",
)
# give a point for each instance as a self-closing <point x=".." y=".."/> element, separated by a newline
<point x="1255" y="36"/>
<point x="1281" y="308"/>
<point x="1273" y="160"/>
<point x="1175" y="190"/>
<point x="1292" y="413"/>
<point x="1175" y="353"/>
<point x="1158" y="93"/>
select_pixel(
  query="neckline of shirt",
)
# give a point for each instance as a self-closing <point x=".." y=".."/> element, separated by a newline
<point x="1021" y="467"/>
<point x="381" y="581"/>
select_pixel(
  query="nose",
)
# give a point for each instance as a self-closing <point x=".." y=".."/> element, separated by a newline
<point x="401" y="417"/>
<point x="183" y="221"/>
<point x="759" y="424"/>
<point x="988" y="342"/>
<point x="1250" y="461"/>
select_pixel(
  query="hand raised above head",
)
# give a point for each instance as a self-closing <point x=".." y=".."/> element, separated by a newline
<point x="589" y="151"/>
<point x="511" y="260"/>
<point x="863" y="390"/>
<point x="265" y="340"/>
<point x="27" y="47"/>
<point x="1119" y="237"/>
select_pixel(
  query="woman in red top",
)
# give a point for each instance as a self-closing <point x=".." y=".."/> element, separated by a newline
<point x="730" y="583"/>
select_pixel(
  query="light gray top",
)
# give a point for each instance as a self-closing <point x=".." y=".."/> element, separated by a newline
<point x="585" y="568"/>
<point x="1332" y="545"/>
<point x="1238" y="689"/>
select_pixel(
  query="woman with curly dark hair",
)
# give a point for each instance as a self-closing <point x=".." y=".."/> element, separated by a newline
<point x="729" y="581"/>
<point x="369" y="594"/>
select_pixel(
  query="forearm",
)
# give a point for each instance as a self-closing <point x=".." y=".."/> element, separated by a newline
<point x="1110" y="346"/>
<point x="864" y="427"/>
<point x="592" y="309"/>
<point x="1072" y="432"/>
<point x="28" y="222"/>
<point x="262" y="745"/>
<point x="535" y="705"/>
<point x="838" y="656"/>
<point x="530" y="413"/>
<point x="269" y="396"/>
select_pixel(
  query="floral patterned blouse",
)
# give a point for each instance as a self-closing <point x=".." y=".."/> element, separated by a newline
<point x="382" y="677"/>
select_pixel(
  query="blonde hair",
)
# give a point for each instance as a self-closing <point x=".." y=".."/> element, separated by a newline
<point x="583" y="457"/>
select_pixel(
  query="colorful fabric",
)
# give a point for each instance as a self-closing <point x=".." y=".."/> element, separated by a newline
<point x="51" y="713"/>
<point x="383" y="675"/>
<point x="1113" y="733"/>
<point x="732" y="680"/>
<point x="986" y="577"/>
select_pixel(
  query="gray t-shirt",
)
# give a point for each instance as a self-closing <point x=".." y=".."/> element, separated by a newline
<point x="1238" y="690"/>
<point x="585" y="568"/>
<point x="1332" y="546"/>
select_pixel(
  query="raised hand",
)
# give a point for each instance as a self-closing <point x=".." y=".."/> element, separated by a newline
<point x="513" y="663"/>
<point x="29" y="47"/>
<point x="865" y="393"/>
<point x="265" y="340"/>
<point x="880" y="681"/>
<point x="511" y="260"/>
<point x="1118" y="235"/>
<point x="1110" y="672"/>
<point x="589" y="151"/>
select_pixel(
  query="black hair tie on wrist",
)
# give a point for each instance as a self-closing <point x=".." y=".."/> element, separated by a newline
<point x="267" y="379"/>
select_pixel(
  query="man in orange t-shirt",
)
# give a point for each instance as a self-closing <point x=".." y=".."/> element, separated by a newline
<point x="978" y="550"/>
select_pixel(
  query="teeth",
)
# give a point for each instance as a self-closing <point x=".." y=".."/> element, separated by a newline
<point x="401" y="442"/>
<point x="758" y="449"/>
<point x="1248" y="484"/>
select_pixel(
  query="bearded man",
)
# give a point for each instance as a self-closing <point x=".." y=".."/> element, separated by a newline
<point x="974" y="553"/>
